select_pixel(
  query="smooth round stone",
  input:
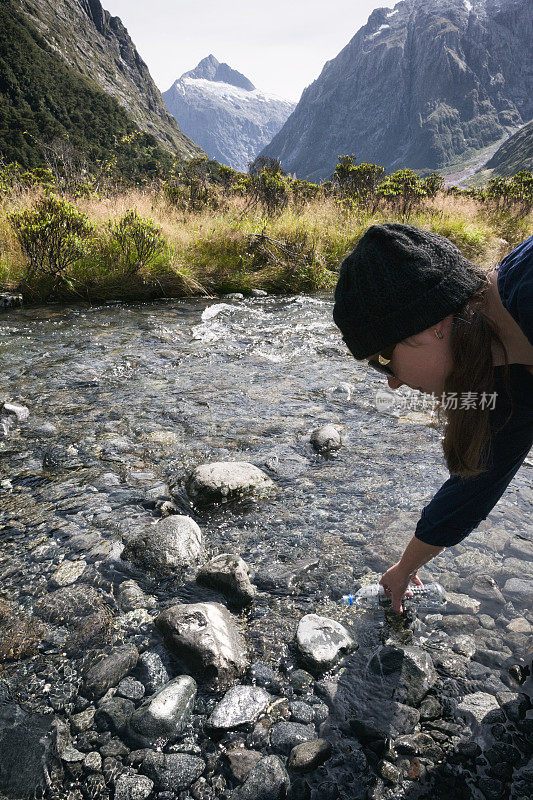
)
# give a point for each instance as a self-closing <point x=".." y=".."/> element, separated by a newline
<point x="151" y="671"/>
<point x="240" y="705"/>
<point x="229" y="573"/>
<point x="68" y="572"/>
<point x="173" y="771"/>
<point x="326" y="439"/>
<point x="308" y="756"/>
<point x="110" y="670"/>
<point x="172" y="544"/>
<point x="301" y="712"/>
<point x="258" y="293"/>
<point x="221" y="481"/>
<point x="321" y="641"/>
<point x="268" y="780"/>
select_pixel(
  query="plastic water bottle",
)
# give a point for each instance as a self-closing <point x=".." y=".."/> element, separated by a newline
<point x="430" y="595"/>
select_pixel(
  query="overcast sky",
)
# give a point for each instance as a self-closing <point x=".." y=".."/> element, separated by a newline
<point x="280" y="45"/>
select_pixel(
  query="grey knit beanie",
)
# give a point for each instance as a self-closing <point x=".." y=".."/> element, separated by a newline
<point x="398" y="281"/>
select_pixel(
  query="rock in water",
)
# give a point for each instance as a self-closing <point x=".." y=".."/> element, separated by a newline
<point x="286" y="735"/>
<point x="205" y="637"/>
<point x="227" y="480"/>
<point x="308" y="756"/>
<point x="164" y="715"/>
<point x="173" y="771"/>
<point x="171" y="545"/>
<point x="240" y="705"/>
<point x="268" y="780"/>
<point x="478" y="708"/>
<point x="133" y="787"/>
<point x="110" y="670"/>
<point x="228" y="573"/>
<point x="409" y="670"/>
<point x="321" y="641"/>
<point x="326" y="439"/>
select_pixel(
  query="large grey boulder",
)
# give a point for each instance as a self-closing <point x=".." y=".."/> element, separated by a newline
<point x="240" y="705"/>
<point x="110" y="670"/>
<point x="230" y="574"/>
<point x="164" y="715"/>
<point x="321" y="641"/>
<point x="205" y="637"/>
<point x="221" y="481"/>
<point x="171" y="545"/>
<point x="268" y="780"/>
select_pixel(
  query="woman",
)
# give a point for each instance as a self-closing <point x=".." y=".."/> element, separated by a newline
<point x="413" y="306"/>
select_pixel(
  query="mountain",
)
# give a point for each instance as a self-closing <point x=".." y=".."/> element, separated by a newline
<point x="222" y="110"/>
<point x="68" y="68"/>
<point x="515" y="154"/>
<point x="423" y="85"/>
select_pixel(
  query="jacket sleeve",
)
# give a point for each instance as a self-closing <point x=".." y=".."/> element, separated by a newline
<point x="461" y="504"/>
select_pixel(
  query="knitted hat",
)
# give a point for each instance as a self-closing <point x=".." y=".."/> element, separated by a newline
<point x="398" y="281"/>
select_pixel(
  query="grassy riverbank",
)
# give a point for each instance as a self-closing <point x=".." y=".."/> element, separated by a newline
<point x="233" y="245"/>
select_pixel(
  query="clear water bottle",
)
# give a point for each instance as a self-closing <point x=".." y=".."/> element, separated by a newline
<point x="431" y="595"/>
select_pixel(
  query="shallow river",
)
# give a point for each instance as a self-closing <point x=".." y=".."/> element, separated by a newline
<point x="125" y="400"/>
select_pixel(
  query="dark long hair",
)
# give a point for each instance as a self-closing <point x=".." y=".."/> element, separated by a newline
<point x="467" y="431"/>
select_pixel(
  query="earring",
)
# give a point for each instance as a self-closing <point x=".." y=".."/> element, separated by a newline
<point x="439" y="334"/>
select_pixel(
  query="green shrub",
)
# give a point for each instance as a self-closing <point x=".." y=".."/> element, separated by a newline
<point x="139" y="241"/>
<point x="53" y="236"/>
<point x="403" y="191"/>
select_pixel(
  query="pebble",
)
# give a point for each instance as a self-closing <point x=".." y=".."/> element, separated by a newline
<point x="170" y="545"/>
<point x="173" y="771"/>
<point x="110" y="670"/>
<point x="322" y="641"/>
<point x="68" y="572"/>
<point x="326" y="439"/>
<point x="230" y="574"/>
<point x="268" y="780"/>
<point x="130" y="689"/>
<point x="133" y="787"/>
<point x="241" y="761"/>
<point x="240" y="705"/>
<point x="263" y="675"/>
<point x="307" y="756"/>
<point x="301" y="712"/>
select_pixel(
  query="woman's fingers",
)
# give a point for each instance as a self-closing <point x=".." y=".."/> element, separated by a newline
<point x="416" y="580"/>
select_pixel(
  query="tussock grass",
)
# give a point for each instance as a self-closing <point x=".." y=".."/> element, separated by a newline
<point x="237" y="248"/>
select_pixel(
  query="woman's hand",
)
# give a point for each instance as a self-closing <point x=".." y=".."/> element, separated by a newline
<point x="395" y="582"/>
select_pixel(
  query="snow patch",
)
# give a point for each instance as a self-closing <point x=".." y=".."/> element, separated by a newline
<point x="226" y="91"/>
<point x="468" y="5"/>
<point x="392" y="13"/>
<point x="379" y="30"/>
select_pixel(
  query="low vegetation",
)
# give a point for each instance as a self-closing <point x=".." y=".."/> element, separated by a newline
<point x="202" y="228"/>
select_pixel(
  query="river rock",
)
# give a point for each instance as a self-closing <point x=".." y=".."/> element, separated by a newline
<point x="286" y="735"/>
<point x="152" y="671"/>
<point x="241" y="761"/>
<point x="68" y="572"/>
<point x="240" y="705"/>
<point x="14" y="411"/>
<point x="173" y="543"/>
<point x="68" y="604"/>
<point x="130" y="689"/>
<point x="205" y="637"/>
<point x="130" y="597"/>
<point x="113" y="714"/>
<point x="110" y="670"/>
<point x="519" y="591"/>
<point x="461" y="603"/>
<point x="321" y="641"/>
<point x="26" y="748"/>
<point x="408" y="670"/>
<point x="268" y="780"/>
<point x="258" y="293"/>
<point x="133" y="787"/>
<point x="479" y="708"/>
<point x="326" y="439"/>
<point x="164" y="715"/>
<point x="308" y="756"/>
<point x="230" y="574"/>
<point x="11" y="300"/>
<point x="173" y="771"/>
<point x="301" y="712"/>
<point x="221" y="481"/>
<point x="485" y="588"/>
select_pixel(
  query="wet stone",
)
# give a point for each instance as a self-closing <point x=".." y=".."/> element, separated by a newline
<point x="326" y="439"/>
<point x="262" y="674"/>
<point x="93" y="762"/>
<point x="83" y="720"/>
<point x="479" y="708"/>
<point x="113" y="714"/>
<point x="520" y="591"/>
<point x="240" y="705"/>
<point x="286" y="735"/>
<point x="152" y="671"/>
<point x="301" y="681"/>
<point x="221" y="481"/>
<point x="409" y="670"/>
<point x="228" y="573"/>
<point x="163" y="715"/>
<point x="110" y="670"/>
<point x="241" y="761"/>
<point x="485" y="588"/>
<point x="205" y="636"/>
<point x="173" y="771"/>
<point x="133" y="787"/>
<point x="131" y="596"/>
<point x="461" y="603"/>
<point x="67" y="573"/>
<point x="322" y="641"/>
<point x="301" y="712"/>
<point x="307" y="756"/>
<point x="459" y="623"/>
<point x="430" y="708"/>
<point x="172" y="544"/>
<point x="68" y="604"/>
<point x="268" y="780"/>
<point x="389" y="772"/>
<point x="130" y="689"/>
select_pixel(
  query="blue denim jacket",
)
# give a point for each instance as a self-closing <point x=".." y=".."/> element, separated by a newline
<point x="461" y="504"/>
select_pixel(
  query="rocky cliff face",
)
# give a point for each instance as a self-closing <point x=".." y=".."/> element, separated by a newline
<point x="515" y="154"/>
<point x="422" y="85"/>
<point x="222" y="110"/>
<point x="98" y="46"/>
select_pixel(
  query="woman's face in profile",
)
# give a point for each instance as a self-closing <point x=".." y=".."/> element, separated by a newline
<point x="423" y="361"/>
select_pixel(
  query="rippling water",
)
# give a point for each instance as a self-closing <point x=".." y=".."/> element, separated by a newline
<point x="140" y="394"/>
